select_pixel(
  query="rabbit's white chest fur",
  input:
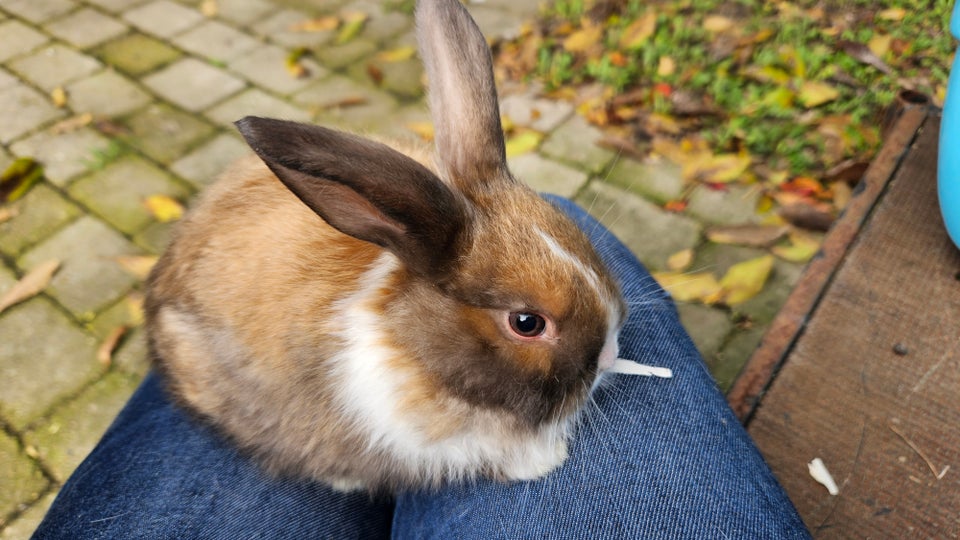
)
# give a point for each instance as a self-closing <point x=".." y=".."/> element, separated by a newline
<point x="373" y="393"/>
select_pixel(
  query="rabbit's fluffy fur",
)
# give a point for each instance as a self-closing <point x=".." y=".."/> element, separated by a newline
<point x="345" y="312"/>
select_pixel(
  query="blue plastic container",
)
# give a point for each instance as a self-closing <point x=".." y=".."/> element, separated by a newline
<point x="948" y="164"/>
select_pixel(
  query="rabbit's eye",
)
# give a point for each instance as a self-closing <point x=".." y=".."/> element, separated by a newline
<point x="527" y="325"/>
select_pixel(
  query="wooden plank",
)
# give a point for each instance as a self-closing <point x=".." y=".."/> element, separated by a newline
<point x="762" y="366"/>
<point x="873" y="385"/>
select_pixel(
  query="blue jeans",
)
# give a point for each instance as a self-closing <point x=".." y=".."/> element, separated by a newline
<point x="653" y="458"/>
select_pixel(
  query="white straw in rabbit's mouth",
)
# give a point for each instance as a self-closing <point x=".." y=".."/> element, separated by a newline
<point x="629" y="367"/>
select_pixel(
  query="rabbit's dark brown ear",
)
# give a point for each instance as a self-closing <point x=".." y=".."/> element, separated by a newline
<point x="364" y="189"/>
<point x="463" y="97"/>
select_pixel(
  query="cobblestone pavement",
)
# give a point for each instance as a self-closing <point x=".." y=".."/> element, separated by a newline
<point x="163" y="80"/>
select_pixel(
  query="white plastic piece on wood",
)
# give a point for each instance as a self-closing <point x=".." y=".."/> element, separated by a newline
<point x="820" y="473"/>
<point x="629" y="367"/>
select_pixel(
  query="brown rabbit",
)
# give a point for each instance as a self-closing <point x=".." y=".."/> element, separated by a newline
<point x="347" y="313"/>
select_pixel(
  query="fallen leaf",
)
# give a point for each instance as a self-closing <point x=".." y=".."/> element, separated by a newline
<point x="18" y="178"/>
<point x="815" y="93"/>
<point x="375" y="74"/>
<point x="675" y="206"/>
<point x="138" y="266"/>
<point x="110" y="127"/>
<point x="397" y="55"/>
<point x="842" y="193"/>
<point x="718" y="169"/>
<point x="31" y="284"/>
<point x="318" y="24"/>
<point x="639" y="31"/>
<point x="862" y="53"/>
<point x="808" y="215"/>
<point x="348" y="101"/>
<point x="666" y="67"/>
<point x="747" y="235"/>
<point x="109" y="344"/>
<point x="879" y="44"/>
<point x="680" y="260"/>
<point x="892" y="14"/>
<point x="72" y="124"/>
<point x="293" y="65"/>
<point x="688" y="287"/>
<point x="59" y="97"/>
<point x="801" y="249"/>
<point x="522" y="142"/>
<point x="717" y="23"/>
<point x="743" y="281"/>
<point x="164" y="208"/>
<point x="804" y="186"/>
<point x="423" y="129"/>
<point x="135" y="308"/>
<point x="584" y="39"/>
<point x="209" y="8"/>
<point x="352" y="25"/>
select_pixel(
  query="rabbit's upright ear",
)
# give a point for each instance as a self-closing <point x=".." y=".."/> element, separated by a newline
<point x="463" y="97"/>
<point x="364" y="189"/>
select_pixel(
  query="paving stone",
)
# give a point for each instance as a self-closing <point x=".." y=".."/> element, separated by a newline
<point x="327" y="95"/>
<point x="399" y="128"/>
<point x="137" y="54"/>
<point x="547" y="176"/>
<point x="763" y="307"/>
<point x="127" y="311"/>
<point x="657" y="180"/>
<point x="86" y="27"/>
<point x="386" y="26"/>
<point x="496" y="23"/>
<point x="164" y="133"/>
<point x="107" y="93"/>
<point x="163" y="18"/>
<point x="23" y="109"/>
<point x="48" y="357"/>
<point x="266" y="68"/>
<point x="117" y="192"/>
<point x="75" y="427"/>
<point x="202" y="166"/>
<point x="346" y="55"/>
<point x="731" y="206"/>
<point x="192" y="84"/>
<point x="6" y="79"/>
<point x="540" y="114"/>
<point x="38" y="12"/>
<point x="258" y="103"/>
<point x="277" y="28"/>
<point x="63" y="155"/>
<point x="650" y="232"/>
<point x="26" y="523"/>
<point x="116" y="6"/>
<point x="20" y="477"/>
<point x="707" y="326"/>
<point x="243" y="12"/>
<point x="575" y="142"/>
<point x="216" y="41"/>
<point x="404" y="79"/>
<point x="735" y="353"/>
<point x="53" y="66"/>
<point x="89" y="277"/>
<point x="7" y="278"/>
<point x="132" y="355"/>
<point x="41" y="212"/>
<point x="155" y="237"/>
<point x="718" y="258"/>
<point x="17" y="38"/>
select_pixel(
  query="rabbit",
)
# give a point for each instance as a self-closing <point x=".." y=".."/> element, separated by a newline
<point x="377" y="320"/>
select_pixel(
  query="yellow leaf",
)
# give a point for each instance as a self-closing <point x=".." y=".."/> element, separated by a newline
<point x="164" y="208"/>
<point x="18" y="178"/>
<point x="138" y="266"/>
<point x="72" y="124"/>
<point x="666" y="67"/>
<point x="397" y="55"/>
<point x="423" y="129"/>
<point x="209" y="8"/>
<point x="59" y="97"/>
<point x="319" y="24"/>
<point x="769" y="74"/>
<point x="583" y="39"/>
<point x="293" y="65"/>
<point x="352" y="25"/>
<point x="109" y="344"/>
<point x="720" y="169"/>
<point x="801" y="249"/>
<point x="680" y="260"/>
<point x="814" y="93"/>
<point x="892" y="14"/>
<point x="744" y="280"/>
<point x="30" y="284"/>
<point x="639" y="31"/>
<point x="746" y="235"/>
<point x="688" y="287"/>
<point x="523" y="142"/>
<point x="717" y="23"/>
<point x="879" y="44"/>
<point x="135" y="308"/>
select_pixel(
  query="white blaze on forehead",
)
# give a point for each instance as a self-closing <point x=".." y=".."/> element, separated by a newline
<point x="589" y="274"/>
